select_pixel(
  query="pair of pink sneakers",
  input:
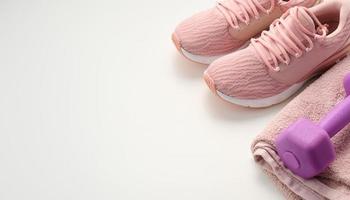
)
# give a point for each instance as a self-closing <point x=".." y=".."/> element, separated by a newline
<point x="254" y="67"/>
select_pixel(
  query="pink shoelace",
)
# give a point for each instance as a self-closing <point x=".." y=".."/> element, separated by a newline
<point x="276" y="45"/>
<point x="237" y="11"/>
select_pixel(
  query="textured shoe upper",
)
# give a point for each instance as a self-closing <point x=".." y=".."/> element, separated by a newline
<point x="206" y="33"/>
<point x="295" y="47"/>
<point x="229" y="25"/>
<point x="242" y="74"/>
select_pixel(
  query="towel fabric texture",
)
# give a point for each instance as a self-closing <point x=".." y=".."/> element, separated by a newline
<point x="313" y="103"/>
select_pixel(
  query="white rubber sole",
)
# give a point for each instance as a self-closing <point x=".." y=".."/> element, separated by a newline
<point x="199" y="59"/>
<point x="265" y="102"/>
<point x="207" y="60"/>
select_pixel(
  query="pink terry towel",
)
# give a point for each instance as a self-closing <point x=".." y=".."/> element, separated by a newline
<point x="314" y="102"/>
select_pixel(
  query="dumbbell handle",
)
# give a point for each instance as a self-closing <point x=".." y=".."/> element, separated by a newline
<point x="337" y="119"/>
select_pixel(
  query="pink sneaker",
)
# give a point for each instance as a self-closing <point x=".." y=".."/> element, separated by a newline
<point x="227" y="27"/>
<point x="299" y="45"/>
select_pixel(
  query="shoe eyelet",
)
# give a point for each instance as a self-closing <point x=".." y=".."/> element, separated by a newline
<point x="277" y="69"/>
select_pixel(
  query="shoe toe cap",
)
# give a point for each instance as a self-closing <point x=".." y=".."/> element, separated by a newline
<point x="242" y="75"/>
<point x="205" y="33"/>
<point x="176" y="41"/>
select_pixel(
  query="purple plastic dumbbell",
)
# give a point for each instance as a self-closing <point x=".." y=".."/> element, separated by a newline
<point x="305" y="148"/>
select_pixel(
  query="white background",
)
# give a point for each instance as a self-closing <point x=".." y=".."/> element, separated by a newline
<point x="97" y="104"/>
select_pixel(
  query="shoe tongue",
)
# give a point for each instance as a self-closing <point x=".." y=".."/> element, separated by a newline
<point x="292" y="23"/>
<point x="304" y="18"/>
<point x="265" y="3"/>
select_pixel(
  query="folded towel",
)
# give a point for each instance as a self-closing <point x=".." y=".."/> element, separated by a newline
<point x="313" y="103"/>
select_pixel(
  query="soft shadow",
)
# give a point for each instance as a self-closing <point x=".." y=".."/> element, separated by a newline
<point x="223" y="110"/>
<point x="187" y="69"/>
